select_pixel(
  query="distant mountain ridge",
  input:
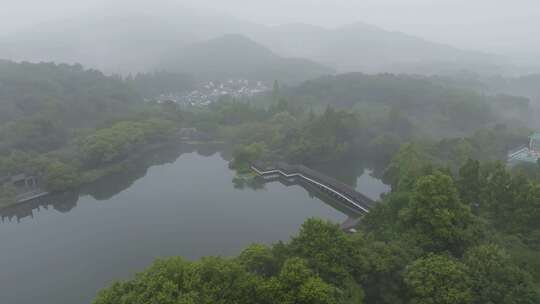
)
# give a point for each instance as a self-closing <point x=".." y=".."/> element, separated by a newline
<point x="137" y="39"/>
<point x="367" y="48"/>
<point x="130" y="42"/>
<point x="236" y="56"/>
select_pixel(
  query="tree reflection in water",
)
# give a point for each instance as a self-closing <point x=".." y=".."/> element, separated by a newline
<point x="109" y="186"/>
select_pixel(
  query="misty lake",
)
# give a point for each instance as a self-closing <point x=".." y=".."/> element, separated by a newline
<point x="179" y="201"/>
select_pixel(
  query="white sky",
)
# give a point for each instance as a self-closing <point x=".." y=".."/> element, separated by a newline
<point x="497" y="26"/>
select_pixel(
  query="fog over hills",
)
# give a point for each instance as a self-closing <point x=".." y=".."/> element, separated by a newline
<point x="236" y="56"/>
<point x="139" y="39"/>
<point x="130" y="41"/>
<point x="363" y="47"/>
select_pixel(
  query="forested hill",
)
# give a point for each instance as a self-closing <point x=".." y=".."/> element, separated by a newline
<point x="40" y="103"/>
<point x="236" y="56"/>
<point x="431" y="103"/>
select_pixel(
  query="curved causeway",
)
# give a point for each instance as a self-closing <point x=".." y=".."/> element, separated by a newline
<point x="340" y="191"/>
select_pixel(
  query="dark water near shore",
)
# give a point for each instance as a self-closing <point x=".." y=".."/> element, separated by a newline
<point x="176" y="201"/>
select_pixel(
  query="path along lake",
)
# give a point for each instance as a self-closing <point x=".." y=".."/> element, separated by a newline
<point x="179" y="201"/>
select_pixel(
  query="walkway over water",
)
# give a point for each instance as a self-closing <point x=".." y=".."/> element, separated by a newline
<point x="333" y="187"/>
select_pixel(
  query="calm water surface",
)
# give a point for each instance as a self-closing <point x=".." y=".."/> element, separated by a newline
<point x="176" y="202"/>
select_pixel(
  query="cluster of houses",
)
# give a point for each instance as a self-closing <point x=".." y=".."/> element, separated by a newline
<point x="526" y="154"/>
<point x="212" y="91"/>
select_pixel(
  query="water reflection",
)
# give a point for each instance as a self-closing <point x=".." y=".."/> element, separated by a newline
<point x="365" y="175"/>
<point x="353" y="172"/>
<point x="348" y="171"/>
<point x="313" y="192"/>
<point x="63" y="202"/>
<point x="171" y="202"/>
<point x="109" y="186"/>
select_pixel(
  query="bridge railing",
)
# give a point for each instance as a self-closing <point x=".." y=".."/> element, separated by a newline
<point x="342" y="187"/>
<point x="330" y="182"/>
<point x="518" y="149"/>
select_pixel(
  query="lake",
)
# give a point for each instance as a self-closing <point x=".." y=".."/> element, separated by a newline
<point x="179" y="201"/>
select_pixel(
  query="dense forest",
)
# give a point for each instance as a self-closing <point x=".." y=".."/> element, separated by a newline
<point x="40" y="103"/>
<point x="299" y="134"/>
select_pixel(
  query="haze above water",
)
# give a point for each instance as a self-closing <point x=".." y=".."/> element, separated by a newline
<point x="187" y="207"/>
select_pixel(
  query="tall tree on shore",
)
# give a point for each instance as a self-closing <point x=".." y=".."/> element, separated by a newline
<point x="437" y="279"/>
<point x="438" y="220"/>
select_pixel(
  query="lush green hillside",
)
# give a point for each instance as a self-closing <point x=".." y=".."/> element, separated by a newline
<point x="41" y="104"/>
<point x="69" y="126"/>
<point x="235" y="56"/>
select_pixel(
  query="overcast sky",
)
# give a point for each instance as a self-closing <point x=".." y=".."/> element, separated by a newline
<point x="498" y="26"/>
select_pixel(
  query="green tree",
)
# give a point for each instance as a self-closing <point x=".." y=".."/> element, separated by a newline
<point x="398" y="123"/>
<point x="436" y="216"/>
<point x="529" y="212"/>
<point x="60" y="177"/>
<point x="469" y="183"/>
<point x="115" y="143"/>
<point x="218" y="280"/>
<point x="438" y="279"/>
<point x="259" y="259"/>
<point x="384" y="147"/>
<point x="299" y="285"/>
<point x="409" y="163"/>
<point x="495" y="279"/>
<point x="165" y="281"/>
<point x="174" y="280"/>
<point x="244" y="155"/>
<point x="326" y="247"/>
<point x="385" y="263"/>
<point x="497" y="199"/>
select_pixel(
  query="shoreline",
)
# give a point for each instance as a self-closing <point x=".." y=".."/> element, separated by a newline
<point x="29" y="196"/>
<point x="94" y="175"/>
